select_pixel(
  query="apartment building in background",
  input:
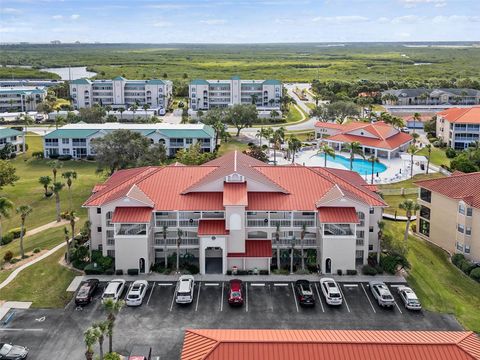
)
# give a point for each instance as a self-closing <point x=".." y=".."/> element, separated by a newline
<point x="229" y="211"/>
<point x="121" y="93"/>
<point x="12" y="137"/>
<point x="423" y="96"/>
<point x="449" y="216"/>
<point x="75" y="139"/>
<point x="459" y="127"/>
<point x="207" y="94"/>
<point x="21" y="98"/>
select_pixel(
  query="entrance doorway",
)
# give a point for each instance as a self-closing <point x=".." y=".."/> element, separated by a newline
<point x="213" y="260"/>
<point x="328" y="266"/>
<point x="141" y="266"/>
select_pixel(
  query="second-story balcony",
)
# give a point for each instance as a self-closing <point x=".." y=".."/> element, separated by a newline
<point x="159" y="241"/>
<point x="131" y="229"/>
<point x="337" y="230"/>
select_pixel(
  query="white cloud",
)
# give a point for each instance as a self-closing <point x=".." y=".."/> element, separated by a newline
<point x="283" y="21"/>
<point x="407" y="19"/>
<point x="383" y="20"/>
<point x="341" y="19"/>
<point x="403" y="35"/>
<point x="413" y="3"/>
<point x="57" y="17"/>
<point x="7" y="29"/>
<point x="455" y="19"/>
<point x="74" y="16"/>
<point x="162" y="24"/>
<point x="10" y="11"/>
<point x="214" y="21"/>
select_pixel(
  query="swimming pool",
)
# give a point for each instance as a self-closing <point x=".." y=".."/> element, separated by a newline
<point x="359" y="165"/>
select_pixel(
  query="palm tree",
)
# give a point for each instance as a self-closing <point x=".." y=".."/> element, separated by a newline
<point x="277" y="242"/>
<point x="326" y="150"/>
<point x="101" y="329"/>
<point x="27" y="120"/>
<point x="179" y="242"/>
<point x="254" y="99"/>
<point x="381" y="227"/>
<point x="145" y="107"/>
<point x="429" y="152"/>
<point x="294" y="145"/>
<point x="412" y="150"/>
<point x="134" y="109"/>
<point x="373" y="160"/>
<point x="274" y="114"/>
<point x="302" y="237"/>
<point x="56" y="187"/>
<point x="259" y="135"/>
<point x="219" y="127"/>
<point x="112" y="308"/>
<point x="59" y="121"/>
<point x="416" y="117"/>
<point x="55" y="165"/>
<point x="90" y="338"/>
<point x="121" y="110"/>
<point x="72" y="216"/>
<point x="354" y="148"/>
<point x="70" y="176"/>
<point x="268" y="134"/>
<point x="24" y="211"/>
<point x="277" y="139"/>
<point x="5" y="207"/>
<point x="108" y="108"/>
<point x="292" y="249"/>
<point x="164" y="229"/>
<point x="66" y="236"/>
<point x="410" y="208"/>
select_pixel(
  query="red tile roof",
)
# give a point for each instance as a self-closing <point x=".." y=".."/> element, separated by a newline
<point x="329" y="125"/>
<point x="470" y="115"/>
<point x="338" y="215"/>
<point x="235" y="194"/>
<point x="245" y="344"/>
<point x="212" y="227"/>
<point x="459" y="186"/>
<point x="255" y="248"/>
<point x="132" y="215"/>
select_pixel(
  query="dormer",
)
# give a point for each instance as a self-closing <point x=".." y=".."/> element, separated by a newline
<point x="235" y="178"/>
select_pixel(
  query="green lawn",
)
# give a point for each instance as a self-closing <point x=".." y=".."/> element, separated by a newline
<point x="294" y="115"/>
<point x="410" y="182"/>
<point x="231" y="145"/>
<point x="437" y="156"/>
<point x="43" y="283"/>
<point x="440" y="286"/>
<point x="4" y="275"/>
<point x="28" y="191"/>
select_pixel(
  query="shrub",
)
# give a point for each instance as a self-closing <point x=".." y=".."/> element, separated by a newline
<point x="110" y="271"/>
<point x="106" y="262"/>
<point x="351" y="272"/>
<point x="90" y="158"/>
<point x="450" y="152"/>
<point x="192" y="269"/>
<point x="90" y="269"/>
<point x="119" y="272"/>
<point x="339" y="272"/>
<point x="229" y="272"/>
<point x="457" y="259"/>
<point x="132" y="271"/>
<point x="466" y="266"/>
<point x="475" y="274"/>
<point x="78" y="264"/>
<point x="38" y="154"/>
<point x="436" y="144"/>
<point x="242" y="272"/>
<point x="369" y="270"/>
<point x="36" y="250"/>
<point x="159" y="268"/>
<point x="112" y="356"/>
<point x="413" y="227"/>
<point x="263" y="272"/>
<point x="16" y="232"/>
<point x="65" y="157"/>
<point x="14" y="260"/>
<point x="8" y="256"/>
<point x="53" y="156"/>
<point x="13" y="155"/>
<point x="7" y="239"/>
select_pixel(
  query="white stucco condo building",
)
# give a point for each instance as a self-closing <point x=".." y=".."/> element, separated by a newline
<point x="12" y="137"/>
<point x="21" y="98"/>
<point x="229" y="211"/>
<point x="75" y="139"/>
<point x="459" y="127"/>
<point x="121" y="92"/>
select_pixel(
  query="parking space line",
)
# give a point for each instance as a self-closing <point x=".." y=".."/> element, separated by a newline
<point x="198" y="295"/>
<point x="211" y="284"/>
<point x="368" y="298"/>
<point x="165" y="284"/>
<point x="151" y="292"/>
<point x="344" y="298"/>
<point x="350" y="285"/>
<point x="173" y="298"/>
<point x="280" y="284"/>
<point x="396" y="286"/>
<point x="295" y="298"/>
<point x="257" y="284"/>
<point x="221" y="300"/>
<point x="397" y="307"/>
<point x="246" y="297"/>
<point x="319" y="297"/>
<point x="13" y="329"/>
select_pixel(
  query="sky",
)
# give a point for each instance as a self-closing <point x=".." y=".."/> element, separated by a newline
<point x="242" y="21"/>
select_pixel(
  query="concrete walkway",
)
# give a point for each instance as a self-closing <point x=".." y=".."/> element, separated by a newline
<point x="50" y="225"/>
<point x="398" y="217"/>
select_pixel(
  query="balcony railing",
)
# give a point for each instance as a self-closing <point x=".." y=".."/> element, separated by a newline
<point x="173" y="242"/>
<point x="189" y="223"/>
<point x="337" y="230"/>
<point x="281" y="222"/>
<point x="257" y="223"/>
<point x="166" y="222"/>
<point x="301" y="222"/>
<point x="132" y="229"/>
<point x="288" y="241"/>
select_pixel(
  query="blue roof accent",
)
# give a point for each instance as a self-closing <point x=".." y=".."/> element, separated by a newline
<point x="119" y="78"/>
<point x="272" y="82"/>
<point x="70" y="134"/>
<point x="81" y="81"/>
<point x="199" y="82"/>
<point x="236" y="77"/>
<point x="7" y="132"/>
<point x="22" y="91"/>
<point x="155" y="82"/>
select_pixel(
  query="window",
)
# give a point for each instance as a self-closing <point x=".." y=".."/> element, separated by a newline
<point x="370" y="247"/>
<point x="99" y="229"/>
<point x="460" y="228"/>
<point x="188" y="141"/>
<point x="66" y="151"/>
<point x="111" y="253"/>
<point x="425" y="212"/>
<point x="424" y="227"/>
<point x="360" y="234"/>
<point x="361" y="217"/>
<point x="100" y="247"/>
<point x="359" y="254"/>
<point x="461" y="209"/>
<point x="468" y="231"/>
<point x="467" y="249"/>
<point x="99" y="210"/>
<point x="469" y="211"/>
<point x="459" y="246"/>
<point x="108" y="218"/>
<point x="65" y="141"/>
<point x="372" y="210"/>
<point x="370" y="229"/>
<point x="425" y="195"/>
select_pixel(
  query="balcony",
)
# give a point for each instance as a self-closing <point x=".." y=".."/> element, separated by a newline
<point x="166" y="222"/>
<point x="257" y="222"/>
<point x="281" y="222"/>
<point x="337" y="230"/>
<point x="132" y="229"/>
<point x="307" y="241"/>
<point x="301" y="222"/>
<point x="188" y="222"/>
<point x="173" y="242"/>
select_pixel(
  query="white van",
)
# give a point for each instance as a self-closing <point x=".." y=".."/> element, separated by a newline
<point x="114" y="290"/>
<point x="184" y="290"/>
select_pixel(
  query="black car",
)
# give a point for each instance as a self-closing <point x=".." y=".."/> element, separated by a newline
<point x="12" y="352"/>
<point x="304" y="293"/>
<point x="85" y="294"/>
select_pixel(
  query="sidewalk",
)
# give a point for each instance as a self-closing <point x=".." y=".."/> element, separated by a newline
<point x="398" y="217"/>
<point x="50" y="225"/>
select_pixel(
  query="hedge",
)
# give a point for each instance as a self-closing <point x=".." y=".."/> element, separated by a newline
<point x="475" y="274"/>
<point x="16" y="232"/>
<point x="90" y="269"/>
<point x="369" y="270"/>
<point x="7" y="239"/>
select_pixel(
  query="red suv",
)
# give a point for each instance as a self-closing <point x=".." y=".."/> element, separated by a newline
<point x="235" y="293"/>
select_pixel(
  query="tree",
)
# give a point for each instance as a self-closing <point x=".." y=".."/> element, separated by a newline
<point x="119" y="149"/>
<point x="59" y="121"/>
<point x="320" y="112"/>
<point x="410" y="208"/>
<point x="5" y="207"/>
<point x="274" y="114"/>
<point x="56" y="187"/>
<point x="292" y="250"/>
<point x="101" y="329"/>
<point x="164" y="233"/>
<point x="219" y="128"/>
<point x="66" y="235"/>
<point x="381" y="228"/>
<point x="108" y="108"/>
<point x="412" y="150"/>
<point x="241" y="116"/>
<point x="70" y="176"/>
<point x="72" y="216"/>
<point x="277" y="139"/>
<point x="134" y="109"/>
<point x="179" y="242"/>
<point x="90" y="338"/>
<point x="354" y="148"/>
<point x="429" y="152"/>
<point x="277" y="242"/>
<point x="416" y="117"/>
<point x="26" y="120"/>
<point x="193" y="155"/>
<point x="7" y="174"/>
<point x="256" y="152"/>
<point x="45" y="181"/>
<point x="112" y="307"/>
<point x="326" y="150"/>
<point x="145" y="107"/>
<point x="23" y="211"/>
<point x="254" y="99"/>
<point x="372" y="159"/>
<point x="93" y="115"/>
<point x="121" y="111"/>
<point x="302" y="237"/>
<point x="341" y="109"/>
<point x="155" y="155"/>
<point x="7" y="151"/>
<point x="55" y="165"/>
<point x="293" y="146"/>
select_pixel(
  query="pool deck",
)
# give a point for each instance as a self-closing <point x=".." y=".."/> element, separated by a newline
<point x="396" y="171"/>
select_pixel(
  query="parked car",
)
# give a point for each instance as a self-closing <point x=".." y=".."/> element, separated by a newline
<point x="405" y="130"/>
<point x="85" y="293"/>
<point x="235" y="292"/>
<point x="409" y="298"/>
<point x="114" y="290"/>
<point x="140" y="353"/>
<point x="304" y="293"/>
<point x="12" y="352"/>
<point x="381" y="294"/>
<point x="185" y="287"/>
<point x="331" y="291"/>
<point x="136" y="293"/>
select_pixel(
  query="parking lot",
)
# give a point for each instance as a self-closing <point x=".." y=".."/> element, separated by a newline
<point x="160" y="322"/>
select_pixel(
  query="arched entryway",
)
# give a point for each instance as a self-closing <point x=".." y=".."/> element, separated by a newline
<point x="213" y="260"/>
<point x="141" y="265"/>
<point x="328" y="266"/>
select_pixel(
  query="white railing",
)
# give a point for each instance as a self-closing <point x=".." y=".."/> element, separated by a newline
<point x="301" y="222"/>
<point x="281" y="222"/>
<point x="337" y="230"/>
<point x="173" y="242"/>
<point x="257" y="223"/>
<point x="166" y="222"/>
<point x="135" y="230"/>
<point x="288" y="241"/>
<point x="188" y="223"/>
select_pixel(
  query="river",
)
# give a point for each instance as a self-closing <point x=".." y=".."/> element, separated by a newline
<point x="72" y="73"/>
